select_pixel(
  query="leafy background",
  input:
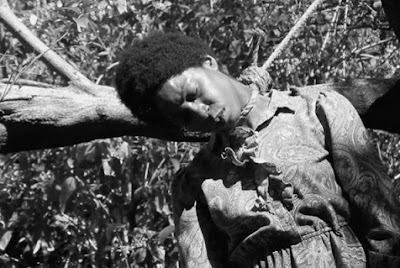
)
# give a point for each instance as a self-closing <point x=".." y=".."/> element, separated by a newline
<point x="106" y="203"/>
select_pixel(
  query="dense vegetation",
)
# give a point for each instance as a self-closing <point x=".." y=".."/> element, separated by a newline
<point x="107" y="203"/>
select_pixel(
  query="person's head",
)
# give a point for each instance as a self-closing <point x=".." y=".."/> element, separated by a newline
<point x="170" y="79"/>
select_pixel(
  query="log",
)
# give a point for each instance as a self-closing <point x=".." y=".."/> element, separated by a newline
<point x="41" y="117"/>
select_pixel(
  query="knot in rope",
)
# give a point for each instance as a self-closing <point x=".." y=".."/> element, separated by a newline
<point x="254" y="75"/>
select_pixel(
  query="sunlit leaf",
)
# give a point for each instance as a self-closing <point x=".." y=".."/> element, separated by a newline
<point x="123" y="150"/>
<point x="165" y="233"/>
<point x="107" y="169"/>
<point x="5" y="239"/>
<point x="70" y="162"/>
<point x="140" y="255"/>
<point x="37" y="246"/>
<point x="81" y="22"/>
<point x="175" y="164"/>
<point x="68" y="187"/>
<point x="122" y="6"/>
<point x="33" y="19"/>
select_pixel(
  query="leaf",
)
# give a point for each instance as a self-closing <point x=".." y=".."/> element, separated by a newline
<point x="158" y="203"/>
<point x="70" y="163"/>
<point x="123" y="150"/>
<point x="107" y="169"/>
<point x="87" y="154"/>
<point x="138" y="193"/>
<point x="175" y="164"/>
<point x="74" y="9"/>
<point x="5" y="239"/>
<point x="122" y="6"/>
<point x="37" y="246"/>
<point x="91" y="9"/>
<point x="82" y="22"/>
<point x="140" y="255"/>
<point x="33" y="19"/>
<point x="164" y="233"/>
<point x="276" y="32"/>
<point x="68" y="187"/>
<point x="110" y="230"/>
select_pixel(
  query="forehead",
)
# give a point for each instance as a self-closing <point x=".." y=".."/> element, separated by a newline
<point x="172" y="90"/>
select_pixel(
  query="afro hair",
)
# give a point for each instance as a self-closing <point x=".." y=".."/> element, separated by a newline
<point x="148" y="64"/>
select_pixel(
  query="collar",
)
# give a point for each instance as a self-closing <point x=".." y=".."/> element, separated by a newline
<point x="266" y="107"/>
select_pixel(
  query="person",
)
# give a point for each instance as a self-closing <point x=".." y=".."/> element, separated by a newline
<point x="288" y="178"/>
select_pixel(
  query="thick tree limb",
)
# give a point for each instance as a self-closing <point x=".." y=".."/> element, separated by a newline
<point x="38" y="117"/>
<point x="35" y="118"/>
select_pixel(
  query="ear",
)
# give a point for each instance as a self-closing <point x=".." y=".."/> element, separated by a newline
<point x="210" y="63"/>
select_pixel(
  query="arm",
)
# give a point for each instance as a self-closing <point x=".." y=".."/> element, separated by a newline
<point x="360" y="172"/>
<point x="201" y="244"/>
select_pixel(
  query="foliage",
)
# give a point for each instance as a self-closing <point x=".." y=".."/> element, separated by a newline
<point x="104" y="203"/>
<point x="107" y="203"/>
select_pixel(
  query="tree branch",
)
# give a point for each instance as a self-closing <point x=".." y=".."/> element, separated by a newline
<point x="42" y="117"/>
<point x="17" y="27"/>
<point x="37" y="117"/>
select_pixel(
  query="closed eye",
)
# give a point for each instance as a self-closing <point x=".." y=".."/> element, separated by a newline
<point x="191" y="94"/>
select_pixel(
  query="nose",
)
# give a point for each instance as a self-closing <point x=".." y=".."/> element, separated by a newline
<point x="197" y="108"/>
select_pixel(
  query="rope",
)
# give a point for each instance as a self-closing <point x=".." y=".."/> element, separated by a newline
<point x="285" y="42"/>
<point x="258" y="35"/>
<point x="259" y="76"/>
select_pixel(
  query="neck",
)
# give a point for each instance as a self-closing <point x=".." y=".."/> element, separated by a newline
<point x="244" y="93"/>
<point x="246" y="96"/>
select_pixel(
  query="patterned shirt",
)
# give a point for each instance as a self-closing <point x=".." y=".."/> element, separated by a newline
<point x="298" y="185"/>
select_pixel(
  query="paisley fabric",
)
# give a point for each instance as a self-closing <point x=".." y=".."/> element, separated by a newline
<point x="296" y="184"/>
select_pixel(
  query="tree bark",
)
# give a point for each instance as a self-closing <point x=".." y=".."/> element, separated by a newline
<point x="41" y="117"/>
<point x="37" y="117"/>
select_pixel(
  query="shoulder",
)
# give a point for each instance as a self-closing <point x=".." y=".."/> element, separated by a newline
<point x="328" y="100"/>
<point x="186" y="183"/>
<point x="321" y="94"/>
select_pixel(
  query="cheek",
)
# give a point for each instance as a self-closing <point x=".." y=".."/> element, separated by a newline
<point x="233" y="103"/>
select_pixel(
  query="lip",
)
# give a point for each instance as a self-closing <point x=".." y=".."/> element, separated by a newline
<point x="219" y="118"/>
<point x="214" y="121"/>
<point x="216" y="114"/>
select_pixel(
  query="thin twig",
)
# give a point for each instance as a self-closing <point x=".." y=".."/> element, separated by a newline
<point x="63" y="67"/>
<point x="346" y="12"/>
<point x="356" y="52"/>
<point x="107" y="69"/>
<point x="123" y="252"/>
<point x="32" y="61"/>
<point x="332" y="26"/>
<point x="4" y="55"/>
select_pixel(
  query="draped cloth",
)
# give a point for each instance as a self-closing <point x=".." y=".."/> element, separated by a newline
<point x="298" y="185"/>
